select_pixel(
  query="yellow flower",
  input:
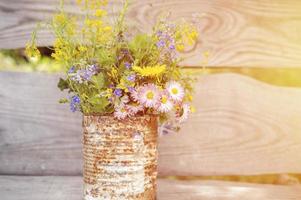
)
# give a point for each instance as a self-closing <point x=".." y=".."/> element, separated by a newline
<point x="123" y="84"/>
<point x="32" y="51"/>
<point x="107" y="28"/>
<point x="113" y="74"/>
<point x="88" y="22"/>
<point x="190" y="97"/>
<point x="193" y="34"/>
<point x="150" y="71"/>
<point x="60" y="19"/>
<point x="192" y="109"/>
<point x="180" y="47"/>
<point x="100" y="13"/>
<point x="108" y="93"/>
<point x="186" y="34"/>
<point x="82" y="49"/>
<point x="78" y="2"/>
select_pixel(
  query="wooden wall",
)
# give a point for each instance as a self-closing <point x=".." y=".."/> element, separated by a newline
<point x="242" y="126"/>
<point x="240" y="33"/>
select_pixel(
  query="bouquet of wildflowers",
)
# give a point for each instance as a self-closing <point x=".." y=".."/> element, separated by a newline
<point x="110" y="72"/>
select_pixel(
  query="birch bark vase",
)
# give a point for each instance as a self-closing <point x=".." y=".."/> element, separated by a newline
<point x="120" y="157"/>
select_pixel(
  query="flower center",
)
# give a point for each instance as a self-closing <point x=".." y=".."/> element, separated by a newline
<point x="174" y="91"/>
<point x="122" y="110"/>
<point x="164" y="99"/>
<point x="150" y="95"/>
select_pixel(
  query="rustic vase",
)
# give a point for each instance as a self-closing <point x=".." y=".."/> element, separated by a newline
<point x="120" y="157"/>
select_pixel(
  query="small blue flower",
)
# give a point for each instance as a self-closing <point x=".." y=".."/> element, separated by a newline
<point x="172" y="47"/>
<point x="131" y="77"/>
<point x="74" y="103"/>
<point x="118" y="92"/>
<point x="160" y="44"/>
<point x="93" y="68"/>
<point x="73" y="107"/>
<point x="87" y="75"/>
<point x="127" y="65"/>
<point x="71" y="70"/>
<point x="76" y="99"/>
<point x="77" y="77"/>
<point x="131" y="89"/>
<point x="159" y="33"/>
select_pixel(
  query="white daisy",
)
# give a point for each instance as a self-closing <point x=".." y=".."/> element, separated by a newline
<point x="149" y="95"/>
<point x="165" y="104"/>
<point x="175" y="90"/>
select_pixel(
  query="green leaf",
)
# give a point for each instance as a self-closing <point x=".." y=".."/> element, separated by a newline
<point x="63" y="84"/>
<point x="63" y="100"/>
<point x="98" y="104"/>
<point x="98" y="80"/>
<point x="105" y="57"/>
<point x="142" y="47"/>
<point x="141" y="41"/>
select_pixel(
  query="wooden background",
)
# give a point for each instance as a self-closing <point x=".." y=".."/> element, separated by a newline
<point x="242" y="126"/>
<point x="240" y="33"/>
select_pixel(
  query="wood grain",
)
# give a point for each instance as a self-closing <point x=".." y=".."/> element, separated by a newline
<point x="70" y="188"/>
<point x="241" y="127"/>
<point x="260" y="33"/>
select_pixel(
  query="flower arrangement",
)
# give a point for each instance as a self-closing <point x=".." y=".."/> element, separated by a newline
<point x="110" y="72"/>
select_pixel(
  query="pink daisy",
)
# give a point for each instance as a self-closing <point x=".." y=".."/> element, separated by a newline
<point x="175" y="90"/>
<point x="184" y="112"/>
<point x="134" y="94"/>
<point x="149" y="95"/>
<point x="165" y="104"/>
<point x="120" y="112"/>
<point x="134" y="108"/>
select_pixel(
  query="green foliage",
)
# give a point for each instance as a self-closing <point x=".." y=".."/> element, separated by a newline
<point x="63" y="84"/>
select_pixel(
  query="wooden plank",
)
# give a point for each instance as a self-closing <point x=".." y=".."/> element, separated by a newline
<point x="236" y="33"/>
<point x="37" y="134"/>
<point x="242" y="127"/>
<point x="220" y="190"/>
<point x="70" y="187"/>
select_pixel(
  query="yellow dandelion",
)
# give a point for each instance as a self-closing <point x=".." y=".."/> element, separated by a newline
<point x="150" y="71"/>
